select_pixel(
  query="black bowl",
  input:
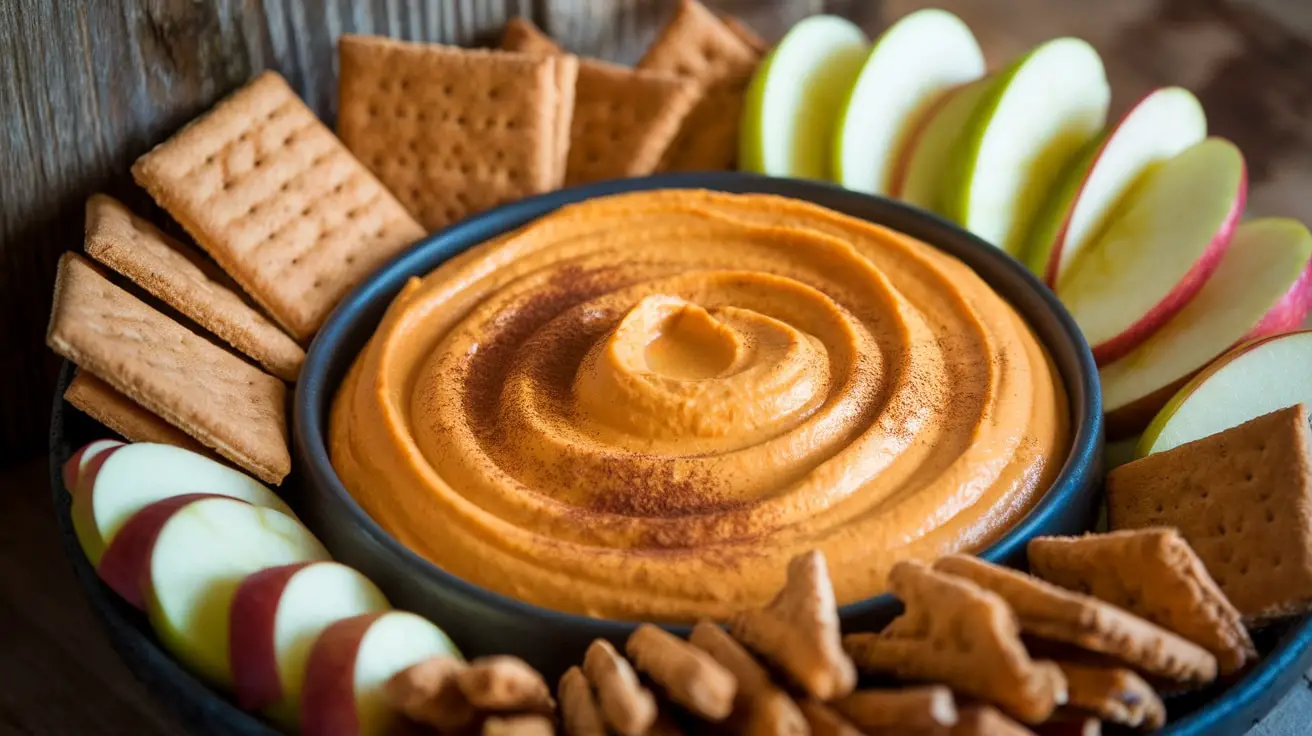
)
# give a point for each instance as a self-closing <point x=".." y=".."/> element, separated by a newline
<point x="483" y="622"/>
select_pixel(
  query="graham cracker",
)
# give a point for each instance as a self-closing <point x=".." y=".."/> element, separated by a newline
<point x="1048" y="612"/>
<point x="982" y="720"/>
<point x="454" y="131"/>
<point x="168" y="271"/>
<point x="214" y="396"/>
<point x="122" y="415"/>
<point x="278" y="202"/>
<point x="798" y="631"/>
<point x="760" y="707"/>
<point x="1114" y="694"/>
<point x="701" y="47"/>
<point x="1152" y="573"/>
<point x="956" y="633"/>
<point x="521" y="35"/>
<point x="823" y="721"/>
<point x="1242" y="499"/>
<point x="908" y="710"/>
<point x="624" y="119"/>
<point x="745" y="33"/>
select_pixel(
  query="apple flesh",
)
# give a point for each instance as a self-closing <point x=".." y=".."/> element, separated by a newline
<point x="121" y="481"/>
<point x="919" y="176"/>
<point x="350" y="663"/>
<point x="1159" y="249"/>
<point x="276" y="616"/>
<point x="1262" y="286"/>
<point x="1036" y="115"/>
<point x="911" y="65"/>
<point x="1256" y="378"/>
<point x="128" y="556"/>
<point x="77" y="463"/>
<point x="787" y="127"/>
<point x="199" y="555"/>
<point x="1161" y="126"/>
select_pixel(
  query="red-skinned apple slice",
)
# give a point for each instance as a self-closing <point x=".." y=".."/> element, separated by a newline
<point x="1256" y="378"/>
<point x="1262" y="286"/>
<point x="199" y="555"/>
<point x="351" y="662"/>
<point x="1166" y="238"/>
<point x="77" y="462"/>
<point x="1162" y="125"/>
<point x="127" y="558"/>
<point x="276" y="616"/>
<point x="121" y="481"/>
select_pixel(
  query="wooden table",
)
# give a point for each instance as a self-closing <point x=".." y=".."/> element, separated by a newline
<point x="85" y="87"/>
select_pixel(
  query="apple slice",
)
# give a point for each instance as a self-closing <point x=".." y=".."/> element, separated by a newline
<point x="1166" y="239"/>
<point x="350" y="663"/>
<point x="276" y="616"/>
<point x="77" y="462"/>
<point x="1036" y="116"/>
<point x="1256" y="378"/>
<point x="1159" y="127"/>
<point x="121" y="481"/>
<point x="912" y="64"/>
<point x="923" y="162"/>
<point x="196" y="553"/>
<point x="794" y="98"/>
<point x="1262" y="286"/>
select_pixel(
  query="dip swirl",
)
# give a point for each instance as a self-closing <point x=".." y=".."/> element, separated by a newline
<point x="642" y="405"/>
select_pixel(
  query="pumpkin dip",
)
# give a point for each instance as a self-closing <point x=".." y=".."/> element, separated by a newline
<point x="642" y="406"/>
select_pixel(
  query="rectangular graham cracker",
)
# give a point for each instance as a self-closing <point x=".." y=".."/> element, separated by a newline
<point x="1242" y="499"/>
<point x="214" y="396"/>
<point x="720" y="59"/>
<point x="521" y="36"/>
<point x="278" y="202"/>
<point x="101" y="402"/>
<point x="454" y="131"/>
<point x="624" y="120"/>
<point x="169" y="272"/>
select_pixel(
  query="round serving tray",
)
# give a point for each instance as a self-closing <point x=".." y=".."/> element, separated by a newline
<point x="1229" y="707"/>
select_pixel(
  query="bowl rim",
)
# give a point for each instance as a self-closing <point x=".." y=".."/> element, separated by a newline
<point x="311" y="410"/>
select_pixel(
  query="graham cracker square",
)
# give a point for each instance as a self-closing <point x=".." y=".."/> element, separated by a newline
<point x="101" y="402"/>
<point x="278" y="202"/>
<point x="1242" y="499"/>
<point x="453" y="131"/>
<point x="216" y="397"/>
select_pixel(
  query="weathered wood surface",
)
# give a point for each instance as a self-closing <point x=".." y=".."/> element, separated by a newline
<point x="87" y="86"/>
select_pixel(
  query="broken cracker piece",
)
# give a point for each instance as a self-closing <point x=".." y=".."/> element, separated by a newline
<point x="278" y="202"/>
<point x="1242" y="498"/>
<point x="579" y="713"/>
<point x="824" y="721"/>
<point x="168" y="271"/>
<point x="1152" y="573"/>
<point x="454" y="131"/>
<point x="101" y="402"/>
<point x="959" y="634"/>
<point x="521" y="725"/>
<point x="628" y="707"/>
<point x="689" y="676"/>
<point x="502" y="683"/>
<point x="760" y="706"/>
<point x="798" y="631"/>
<point x="216" y="397"/>
<point x="1049" y="612"/>
<point x="914" y="708"/>
<point x="1114" y="694"/>
<point x="427" y="693"/>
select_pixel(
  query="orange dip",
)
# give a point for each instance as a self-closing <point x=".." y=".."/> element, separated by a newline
<point x="642" y="406"/>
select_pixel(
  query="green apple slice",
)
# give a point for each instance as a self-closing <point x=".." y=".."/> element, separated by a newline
<point x="1036" y="116"/>
<point x="919" y="176"/>
<point x="1263" y="285"/>
<point x="914" y="62"/>
<point x="1256" y="378"/>
<point x="795" y="95"/>
<point x="1160" y="126"/>
<point x="1155" y="255"/>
